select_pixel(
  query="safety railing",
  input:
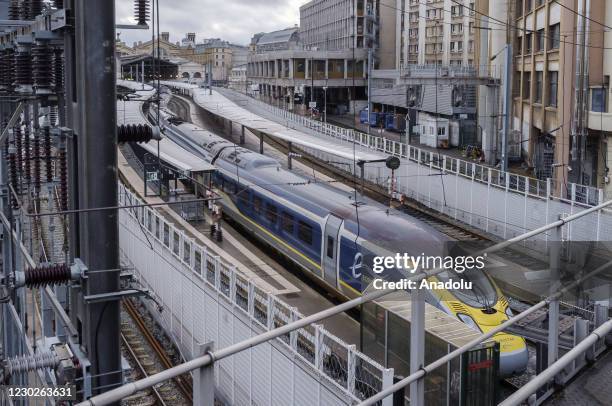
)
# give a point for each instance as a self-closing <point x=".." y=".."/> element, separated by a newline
<point x="202" y="364"/>
<point x="520" y="184"/>
<point x="350" y="371"/>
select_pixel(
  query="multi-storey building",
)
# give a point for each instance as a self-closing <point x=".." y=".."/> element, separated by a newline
<point x="286" y="74"/>
<point x="560" y="90"/>
<point x="324" y="61"/>
<point x="339" y="24"/>
<point x="436" y="32"/>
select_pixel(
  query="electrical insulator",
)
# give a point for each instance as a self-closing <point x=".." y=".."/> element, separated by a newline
<point x="27" y="155"/>
<point x="134" y="133"/>
<point x="58" y="70"/>
<point x="30" y="363"/>
<point x="52" y="275"/>
<point x="48" y="157"/>
<point x="141" y="11"/>
<point x="42" y="59"/>
<point x="32" y="8"/>
<point x="18" y="145"/>
<point x="14" y="10"/>
<point x="23" y="71"/>
<point x="37" y="157"/>
<point x="63" y="175"/>
<point x="53" y="115"/>
<point x="7" y="69"/>
<point x="12" y="163"/>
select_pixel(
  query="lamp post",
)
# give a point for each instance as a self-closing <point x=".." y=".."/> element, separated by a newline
<point x="325" y="103"/>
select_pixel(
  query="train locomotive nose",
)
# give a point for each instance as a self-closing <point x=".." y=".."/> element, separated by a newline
<point x="513" y="362"/>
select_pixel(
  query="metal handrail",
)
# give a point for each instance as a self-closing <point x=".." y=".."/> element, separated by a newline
<point x="549" y="373"/>
<point x="211" y="357"/>
<point x="441" y="361"/>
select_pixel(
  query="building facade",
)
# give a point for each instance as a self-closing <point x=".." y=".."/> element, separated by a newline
<point x="339" y="24"/>
<point x="294" y="78"/>
<point x="438" y="31"/>
<point x="560" y="87"/>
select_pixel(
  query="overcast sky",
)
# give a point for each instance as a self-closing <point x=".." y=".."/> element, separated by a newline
<point x="231" y="20"/>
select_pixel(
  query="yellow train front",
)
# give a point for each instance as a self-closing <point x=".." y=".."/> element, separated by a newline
<point x="482" y="308"/>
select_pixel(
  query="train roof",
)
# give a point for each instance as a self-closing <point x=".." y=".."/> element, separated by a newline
<point x="368" y="219"/>
<point x="372" y="221"/>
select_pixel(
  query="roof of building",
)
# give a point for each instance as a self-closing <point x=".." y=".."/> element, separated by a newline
<point x="275" y="37"/>
<point x="131" y="59"/>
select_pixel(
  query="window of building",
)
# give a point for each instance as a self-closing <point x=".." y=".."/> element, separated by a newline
<point x="305" y="232"/>
<point x="287" y="223"/>
<point x="540" y="40"/>
<point x="528" y="5"/>
<point x="526" y="85"/>
<point x="528" y="43"/>
<point x="519" y="46"/>
<point x="554" y="36"/>
<point x="538" y="86"/>
<point x="553" y="85"/>
<point x="598" y="100"/>
<point x="519" y="8"/>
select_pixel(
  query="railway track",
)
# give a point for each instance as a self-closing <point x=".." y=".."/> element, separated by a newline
<point x="147" y="357"/>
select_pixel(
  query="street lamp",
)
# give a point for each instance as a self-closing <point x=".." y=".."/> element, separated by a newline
<point x="325" y="103"/>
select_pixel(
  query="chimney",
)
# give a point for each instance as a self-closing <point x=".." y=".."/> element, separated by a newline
<point x="165" y="36"/>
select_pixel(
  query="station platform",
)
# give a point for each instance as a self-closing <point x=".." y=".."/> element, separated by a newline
<point x="254" y="264"/>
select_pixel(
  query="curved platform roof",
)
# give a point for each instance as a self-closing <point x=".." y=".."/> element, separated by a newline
<point x="130" y="112"/>
<point x="221" y="106"/>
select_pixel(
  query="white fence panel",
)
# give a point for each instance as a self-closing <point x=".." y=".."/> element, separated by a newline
<point x="205" y="300"/>
<point x="510" y="199"/>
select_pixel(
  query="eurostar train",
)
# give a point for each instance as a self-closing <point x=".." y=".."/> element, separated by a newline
<point x="333" y="238"/>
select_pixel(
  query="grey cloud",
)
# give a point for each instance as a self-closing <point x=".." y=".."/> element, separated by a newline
<point x="232" y="20"/>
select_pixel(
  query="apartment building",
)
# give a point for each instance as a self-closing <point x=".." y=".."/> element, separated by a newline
<point x="339" y="24"/>
<point x="221" y="55"/>
<point x="560" y="86"/>
<point x="436" y="32"/>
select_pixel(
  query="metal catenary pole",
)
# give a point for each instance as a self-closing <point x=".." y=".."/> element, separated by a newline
<point x="95" y="127"/>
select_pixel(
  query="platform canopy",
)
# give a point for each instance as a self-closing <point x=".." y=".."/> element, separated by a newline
<point x="221" y="106"/>
<point x="130" y="112"/>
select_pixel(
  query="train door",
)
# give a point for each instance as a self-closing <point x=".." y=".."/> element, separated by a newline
<point x="330" y="249"/>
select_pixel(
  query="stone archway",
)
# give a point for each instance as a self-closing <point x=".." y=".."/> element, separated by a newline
<point x="185" y="75"/>
<point x="197" y="75"/>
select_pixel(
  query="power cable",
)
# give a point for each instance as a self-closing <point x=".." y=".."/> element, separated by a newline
<point x="581" y="15"/>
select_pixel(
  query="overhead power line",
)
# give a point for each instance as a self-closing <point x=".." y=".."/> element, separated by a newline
<point x="583" y="16"/>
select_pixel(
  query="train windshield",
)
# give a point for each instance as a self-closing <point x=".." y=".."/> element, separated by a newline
<point x="482" y="294"/>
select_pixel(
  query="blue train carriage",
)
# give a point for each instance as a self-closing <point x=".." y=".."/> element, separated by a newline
<point x="315" y="225"/>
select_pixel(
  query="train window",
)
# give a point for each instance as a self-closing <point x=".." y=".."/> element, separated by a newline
<point x="305" y="232"/>
<point x="287" y="223"/>
<point x="243" y="198"/>
<point x="257" y="204"/>
<point x="271" y="213"/>
<point x="330" y="246"/>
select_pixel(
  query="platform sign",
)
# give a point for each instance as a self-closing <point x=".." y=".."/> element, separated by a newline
<point x="312" y="105"/>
